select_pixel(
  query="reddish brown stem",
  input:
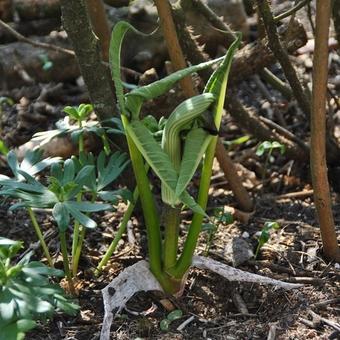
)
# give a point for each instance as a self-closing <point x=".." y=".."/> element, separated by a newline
<point x="100" y="25"/>
<point x="322" y="197"/>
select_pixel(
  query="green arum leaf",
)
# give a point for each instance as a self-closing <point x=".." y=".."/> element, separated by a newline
<point x="134" y="100"/>
<point x="136" y="97"/>
<point x="159" y="161"/>
<point x="153" y="153"/>
<point x="217" y="83"/>
<point x="183" y="115"/>
<point x="196" y="143"/>
<point x="118" y="33"/>
<point x="151" y="123"/>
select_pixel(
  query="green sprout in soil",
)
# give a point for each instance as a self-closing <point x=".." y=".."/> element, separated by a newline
<point x="265" y="235"/>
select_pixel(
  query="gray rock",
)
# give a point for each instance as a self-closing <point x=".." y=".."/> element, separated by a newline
<point x="238" y="251"/>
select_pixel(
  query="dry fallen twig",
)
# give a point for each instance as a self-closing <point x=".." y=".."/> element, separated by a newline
<point x="139" y="278"/>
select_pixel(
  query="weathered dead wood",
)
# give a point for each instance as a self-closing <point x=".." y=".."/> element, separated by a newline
<point x="36" y="9"/>
<point x="20" y="59"/>
<point x="38" y="27"/>
<point x="253" y="57"/>
<point x="6" y="10"/>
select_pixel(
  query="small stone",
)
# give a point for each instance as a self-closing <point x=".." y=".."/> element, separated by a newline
<point x="238" y="251"/>
<point x="245" y="234"/>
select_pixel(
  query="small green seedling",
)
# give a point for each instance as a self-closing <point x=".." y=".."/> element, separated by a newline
<point x="81" y="126"/>
<point x="265" y="234"/>
<point x="47" y="64"/>
<point x="172" y="316"/>
<point x="268" y="147"/>
<point x="26" y="293"/>
<point x="219" y="217"/>
<point x="80" y="114"/>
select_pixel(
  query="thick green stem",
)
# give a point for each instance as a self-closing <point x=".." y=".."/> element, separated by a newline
<point x="75" y="232"/>
<point x="40" y="236"/>
<point x="75" y="259"/>
<point x="120" y="232"/>
<point x="184" y="262"/>
<point x="81" y="139"/>
<point x="62" y="238"/>
<point x="149" y="207"/>
<point x="172" y="219"/>
<point x="75" y="237"/>
<point x="106" y="144"/>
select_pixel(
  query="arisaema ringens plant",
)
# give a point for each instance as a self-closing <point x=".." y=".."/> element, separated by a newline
<point x="173" y="164"/>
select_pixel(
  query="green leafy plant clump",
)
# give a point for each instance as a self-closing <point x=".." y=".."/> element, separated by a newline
<point x="26" y="293"/>
<point x="68" y="185"/>
<point x="186" y="141"/>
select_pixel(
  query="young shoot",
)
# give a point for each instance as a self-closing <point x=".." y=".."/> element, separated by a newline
<point x="219" y="217"/>
<point x="268" y="147"/>
<point x="265" y="235"/>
